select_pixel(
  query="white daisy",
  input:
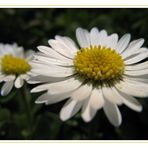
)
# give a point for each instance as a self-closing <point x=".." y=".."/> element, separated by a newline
<point x="103" y="73"/>
<point x="14" y="66"/>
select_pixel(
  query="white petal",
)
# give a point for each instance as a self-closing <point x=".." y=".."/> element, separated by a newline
<point x="64" y="86"/>
<point x="42" y="99"/>
<point x="137" y="89"/>
<point x="139" y="76"/>
<point x="87" y="111"/>
<point x="139" y="66"/>
<point x="111" y="95"/>
<point x="60" y="48"/>
<point x="43" y="79"/>
<point x="131" y="102"/>
<point x="9" y="49"/>
<point x="25" y="76"/>
<point x="57" y="98"/>
<point x="139" y="79"/>
<point x="112" y="112"/>
<point x="83" y="37"/>
<point x="71" y="49"/>
<point x="142" y="49"/>
<point x="2" y="77"/>
<point x="29" y="54"/>
<point x="6" y="88"/>
<point x="47" y="65"/>
<point x="9" y="78"/>
<point x="53" y="78"/>
<point x="133" y="46"/>
<point x="48" y="60"/>
<point x="96" y="99"/>
<point x="123" y="43"/>
<point x="136" y="59"/>
<point x="50" y="73"/>
<point x="137" y="72"/>
<point x="112" y="41"/>
<point x="49" y="51"/>
<point x="136" y="44"/>
<point x="51" y="99"/>
<point x="94" y="36"/>
<point x="71" y="44"/>
<point x="52" y="53"/>
<point x="18" y="51"/>
<point x="59" y="87"/>
<point x="70" y="108"/>
<point x="51" y="70"/>
<point x="2" y="51"/>
<point x="102" y="40"/>
<point x="19" y="82"/>
<point x="136" y="83"/>
<point x="135" y="53"/>
<point x="82" y="93"/>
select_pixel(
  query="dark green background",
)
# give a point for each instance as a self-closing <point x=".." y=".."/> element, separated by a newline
<point x="33" y="27"/>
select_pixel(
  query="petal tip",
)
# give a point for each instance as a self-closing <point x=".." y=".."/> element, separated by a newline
<point x="62" y="118"/>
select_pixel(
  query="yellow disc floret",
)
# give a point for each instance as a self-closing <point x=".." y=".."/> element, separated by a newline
<point x="14" y="65"/>
<point x="100" y="64"/>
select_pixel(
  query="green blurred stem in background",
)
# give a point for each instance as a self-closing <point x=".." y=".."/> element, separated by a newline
<point x="26" y="98"/>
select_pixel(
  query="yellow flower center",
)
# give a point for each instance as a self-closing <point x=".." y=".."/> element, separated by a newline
<point x="99" y="64"/>
<point x="14" y="65"/>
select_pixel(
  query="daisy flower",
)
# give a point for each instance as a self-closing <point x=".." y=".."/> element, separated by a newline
<point x="103" y="72"/>
<point x="14" y="66"/>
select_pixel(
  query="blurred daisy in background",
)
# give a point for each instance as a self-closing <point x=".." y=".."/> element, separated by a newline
<point x="14" y="66"/>
<point x="103" y="72"/>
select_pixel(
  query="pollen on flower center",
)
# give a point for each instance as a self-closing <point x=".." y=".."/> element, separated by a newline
<point x="14" y="65"/>
<point x="100" y="64"/>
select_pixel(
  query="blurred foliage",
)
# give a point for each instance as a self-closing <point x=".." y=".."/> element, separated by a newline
<point x="23" y="119"/>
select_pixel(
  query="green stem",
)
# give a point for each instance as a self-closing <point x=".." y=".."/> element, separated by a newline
<point x="26" y="97"/>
